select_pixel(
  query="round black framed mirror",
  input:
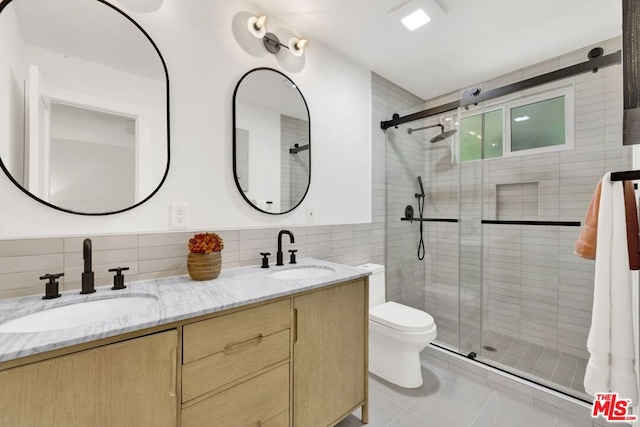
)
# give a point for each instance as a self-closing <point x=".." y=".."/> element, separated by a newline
<point x="271" y="141"/>
<point x="85" y="126"/>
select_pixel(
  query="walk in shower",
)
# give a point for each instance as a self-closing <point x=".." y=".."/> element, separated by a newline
<point x="505" y="196"/>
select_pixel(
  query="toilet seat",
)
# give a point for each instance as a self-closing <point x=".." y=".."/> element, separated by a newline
<point x="401" y="318"/>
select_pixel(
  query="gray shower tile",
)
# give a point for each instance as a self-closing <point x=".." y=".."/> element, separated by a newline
<point x="382" y="412"/>
<point x="456" y="402"/>
<point x="552" y="403"/>
<point x="510" y="386"/>
<point x="502" y="410"/>
<point x="468" y="369"/>
<point x="407" y="419"/>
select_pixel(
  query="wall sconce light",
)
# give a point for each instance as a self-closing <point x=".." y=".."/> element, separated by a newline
<point x="257" y="27"/>
<point x="296" y="46"/>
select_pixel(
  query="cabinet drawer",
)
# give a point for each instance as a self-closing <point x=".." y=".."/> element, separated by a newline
<point x="212" y="336"/>
<point x="235" y="362"/>
<point x="281" y="420"/>
<point x="254" y="402"/>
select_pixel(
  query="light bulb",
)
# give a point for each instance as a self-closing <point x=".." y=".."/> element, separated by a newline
<point x="296" y="46"/>
<point x="256" y="26"/>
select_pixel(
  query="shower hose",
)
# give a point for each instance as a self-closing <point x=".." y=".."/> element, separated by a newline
<point x="421" y="250"/>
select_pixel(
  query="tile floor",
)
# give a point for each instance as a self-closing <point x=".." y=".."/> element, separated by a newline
<point x="448" y="399"/>
<point x="547" y="366"/>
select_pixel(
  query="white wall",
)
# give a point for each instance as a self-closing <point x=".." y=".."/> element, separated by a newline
<point x="207" y="49"/>
<point x="12" y="74"/>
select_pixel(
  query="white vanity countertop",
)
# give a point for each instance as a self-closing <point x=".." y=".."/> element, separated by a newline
<point x="178" y="298"/>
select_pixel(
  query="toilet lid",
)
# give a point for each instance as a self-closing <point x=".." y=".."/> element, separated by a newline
<point x="401" y="317"/>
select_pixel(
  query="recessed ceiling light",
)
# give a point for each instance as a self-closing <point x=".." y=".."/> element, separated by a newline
<point x="521" y="119"/>
<point x="415" y="19"/>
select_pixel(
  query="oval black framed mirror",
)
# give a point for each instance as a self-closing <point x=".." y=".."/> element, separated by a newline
<point x="271" y="141"/>
<point x="85" y="126"/>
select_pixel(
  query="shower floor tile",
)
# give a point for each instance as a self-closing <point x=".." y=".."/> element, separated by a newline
<point x="545" y="365"/>
<point x="448" y="399"/>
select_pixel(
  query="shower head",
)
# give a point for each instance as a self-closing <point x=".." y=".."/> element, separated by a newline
<point x="443" y="136"/>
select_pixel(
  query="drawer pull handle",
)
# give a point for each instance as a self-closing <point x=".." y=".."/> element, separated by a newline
<point x="232" y="348"/>
<point x="174" y="375"/>
<point x="295" y="325"/>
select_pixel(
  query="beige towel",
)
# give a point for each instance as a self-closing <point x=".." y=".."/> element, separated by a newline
<point x="585" y="246"/>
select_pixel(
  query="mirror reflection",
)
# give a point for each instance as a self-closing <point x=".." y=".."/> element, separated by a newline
<point x="84" y="127"/>
<point x="272" y="147"/>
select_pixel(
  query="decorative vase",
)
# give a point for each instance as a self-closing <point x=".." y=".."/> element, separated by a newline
<point x="204" y="266"/>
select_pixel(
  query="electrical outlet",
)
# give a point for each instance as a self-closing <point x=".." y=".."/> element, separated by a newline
<point x="311" y="214"/>
<point x="179" y="215"/>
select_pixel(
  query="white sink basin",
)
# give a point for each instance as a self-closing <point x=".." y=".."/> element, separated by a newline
<point x="79" y="314"/>
<point x="300" y="273"/>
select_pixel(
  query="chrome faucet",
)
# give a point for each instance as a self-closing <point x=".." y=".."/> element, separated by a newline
<point x="279" y="254"/>
<point x="87" y="277"/>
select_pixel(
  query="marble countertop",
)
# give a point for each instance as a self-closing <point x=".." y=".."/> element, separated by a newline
<point x="178" y="298"/>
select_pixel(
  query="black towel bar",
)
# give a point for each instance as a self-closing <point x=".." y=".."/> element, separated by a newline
<point x="625" y="176"/>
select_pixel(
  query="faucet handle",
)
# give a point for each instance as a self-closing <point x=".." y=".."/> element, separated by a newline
<point x="51" y="288"/>
<point x="51" y="277"/>
<point x="292" y="257"/>
<point x="118" y="278"/>
<point x="265" y="259"/>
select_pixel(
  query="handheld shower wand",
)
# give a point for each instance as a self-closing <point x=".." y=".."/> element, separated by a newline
<point x="421" y="196"/>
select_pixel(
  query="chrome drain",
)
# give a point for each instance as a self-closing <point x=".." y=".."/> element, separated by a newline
<point x="489" y="348"/>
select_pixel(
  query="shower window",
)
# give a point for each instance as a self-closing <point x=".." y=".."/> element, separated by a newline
<point x="531" y="125"/>
<point x="481" y="136"/>
<point x="538" y="124"/>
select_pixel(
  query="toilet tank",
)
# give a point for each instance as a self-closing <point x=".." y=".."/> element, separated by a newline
<point x="377" y="291"/>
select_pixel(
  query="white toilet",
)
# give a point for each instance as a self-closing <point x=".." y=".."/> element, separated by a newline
<point x="397" y="334"/>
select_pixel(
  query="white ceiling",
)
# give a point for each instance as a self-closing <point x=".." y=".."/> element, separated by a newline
<point x="471" y="42"/>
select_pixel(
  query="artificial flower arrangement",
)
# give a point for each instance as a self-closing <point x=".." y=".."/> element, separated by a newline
<point x="205" y="243"/>
<point x="204" y="261"/>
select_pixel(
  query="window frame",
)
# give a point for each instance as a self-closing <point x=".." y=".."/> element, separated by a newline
<point x="568" y="93"/>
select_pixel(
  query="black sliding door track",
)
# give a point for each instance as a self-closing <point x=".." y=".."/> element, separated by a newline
<point x="591" y="65"/>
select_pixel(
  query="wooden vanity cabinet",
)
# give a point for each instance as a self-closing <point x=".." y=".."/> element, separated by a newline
<point x="330" y="354"/>
<point x="296" y="361"/>
<point x="130" y="383"/>
<point x="236" y="368"/>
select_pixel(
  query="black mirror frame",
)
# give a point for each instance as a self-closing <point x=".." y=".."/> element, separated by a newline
<point x="235" y="172"/>
<point x="4" y="4"/>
